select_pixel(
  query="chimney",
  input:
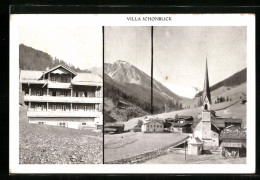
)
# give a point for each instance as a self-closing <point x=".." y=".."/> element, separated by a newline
<point x="47" y="68"/>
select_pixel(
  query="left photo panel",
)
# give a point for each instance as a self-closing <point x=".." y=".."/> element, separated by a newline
<point x="60" y="93"/>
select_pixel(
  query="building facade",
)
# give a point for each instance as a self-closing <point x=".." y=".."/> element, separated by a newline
<point x="182" y="125"/>
<point x="233" y="142"/>
<point x="153" y="126"/>
<point x="63" y="97"/>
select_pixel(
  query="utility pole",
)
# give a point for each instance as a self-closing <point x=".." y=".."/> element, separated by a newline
<point x="185" y="149"/>
<point x="152" y="70"/>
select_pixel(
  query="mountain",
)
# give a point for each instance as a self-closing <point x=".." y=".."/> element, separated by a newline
<point x="33" y="59"/>
<point x="124" y="73"/>
<point x="127" y="84"/>
<point x="232" y="81"/>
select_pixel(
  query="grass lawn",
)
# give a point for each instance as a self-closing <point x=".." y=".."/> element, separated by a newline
<point x="44" y="144"/>
<point x="119" y="146"/>
<point x="174" y="158"/>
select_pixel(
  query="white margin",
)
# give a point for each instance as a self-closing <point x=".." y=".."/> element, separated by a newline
<point x="120" y="20"/>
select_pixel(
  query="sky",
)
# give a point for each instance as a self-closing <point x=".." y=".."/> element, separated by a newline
<point x="129" y="43"/>
<point x="80" y="46"/>
<point x="180" y="53"/>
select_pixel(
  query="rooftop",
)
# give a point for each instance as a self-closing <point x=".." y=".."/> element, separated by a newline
<point x="233" y="132"/>
<point x="29" y="76"/>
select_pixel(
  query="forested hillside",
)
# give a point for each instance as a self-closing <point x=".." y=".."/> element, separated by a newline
<point x="234" y="80"/>
<point x="32" y="59"/>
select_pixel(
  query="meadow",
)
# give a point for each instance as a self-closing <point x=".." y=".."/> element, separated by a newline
<point x="45" y="144"/>
<point x="129" y="144"/>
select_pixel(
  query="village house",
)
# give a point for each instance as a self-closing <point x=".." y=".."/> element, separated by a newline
<point x="182" y="125"/>
<point x="153" y="126"/>
<point x="233" y="142"/>
<point x="63" y="97"/>
<point x="114" y="128"/>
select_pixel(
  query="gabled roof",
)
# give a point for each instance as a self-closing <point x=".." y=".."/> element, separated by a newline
<point x="154" y="121"/>
<point x="181" y="124"/>
<point x="109" y="125"/>
<point x="60" y="66"/>
<point x="33" y="77"/>
<point x="87" y="79"/>
<point x="30" y="75"/>
<point x="185" y="117"/>
<point x="233" y="132"/>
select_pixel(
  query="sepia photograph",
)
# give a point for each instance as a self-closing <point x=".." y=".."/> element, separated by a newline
<point x="196" y="113"/>
<point x="132" y="93"/>
<point x="60" y="95"/>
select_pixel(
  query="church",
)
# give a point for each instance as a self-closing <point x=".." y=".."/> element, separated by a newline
<point x="210" y="126"/>
<point x="205" y="130"/>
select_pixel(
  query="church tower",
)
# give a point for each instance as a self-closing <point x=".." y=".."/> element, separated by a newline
<point x="206" y="97"/>
<point x="205" y="129"/>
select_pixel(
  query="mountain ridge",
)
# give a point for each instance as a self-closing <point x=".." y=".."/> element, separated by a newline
<point x="124" y="72"/>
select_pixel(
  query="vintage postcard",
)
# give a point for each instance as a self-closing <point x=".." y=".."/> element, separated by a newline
<point x="128" y="93"/>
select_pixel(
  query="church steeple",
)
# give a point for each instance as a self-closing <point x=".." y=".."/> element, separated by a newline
<point x="206" y="97"/>
<point x="206" y="89"/>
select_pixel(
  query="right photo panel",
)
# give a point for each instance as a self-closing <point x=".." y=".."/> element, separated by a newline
<point x="205" y="68"/>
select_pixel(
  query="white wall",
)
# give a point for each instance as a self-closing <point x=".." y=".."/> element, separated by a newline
<point x="152" y="127"/>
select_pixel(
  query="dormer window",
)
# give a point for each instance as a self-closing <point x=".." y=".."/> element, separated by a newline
<point x="206" y="107"/>
<point x="54" y="79"/>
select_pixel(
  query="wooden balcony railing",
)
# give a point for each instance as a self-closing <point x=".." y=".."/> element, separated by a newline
<point x="64" y="99"/>
<point x="64" y="114"/>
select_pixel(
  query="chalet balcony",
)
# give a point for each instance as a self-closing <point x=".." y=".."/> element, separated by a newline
<point x="32" y="113"/>
<point x="63" y="99"/>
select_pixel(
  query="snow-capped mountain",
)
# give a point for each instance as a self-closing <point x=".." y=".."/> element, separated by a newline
<point x="124" y="72"/>
<point x="127" y="74"/>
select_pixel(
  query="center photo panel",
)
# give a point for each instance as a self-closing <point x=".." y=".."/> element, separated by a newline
<point x="127" y="92"/>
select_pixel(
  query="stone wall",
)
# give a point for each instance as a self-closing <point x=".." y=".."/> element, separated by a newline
<point x="148" y="155"/>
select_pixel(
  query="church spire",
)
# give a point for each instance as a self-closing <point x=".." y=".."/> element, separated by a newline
<point x="206" y="89"/>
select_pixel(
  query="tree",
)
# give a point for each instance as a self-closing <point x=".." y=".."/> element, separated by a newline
<point x="176" y="117"/>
